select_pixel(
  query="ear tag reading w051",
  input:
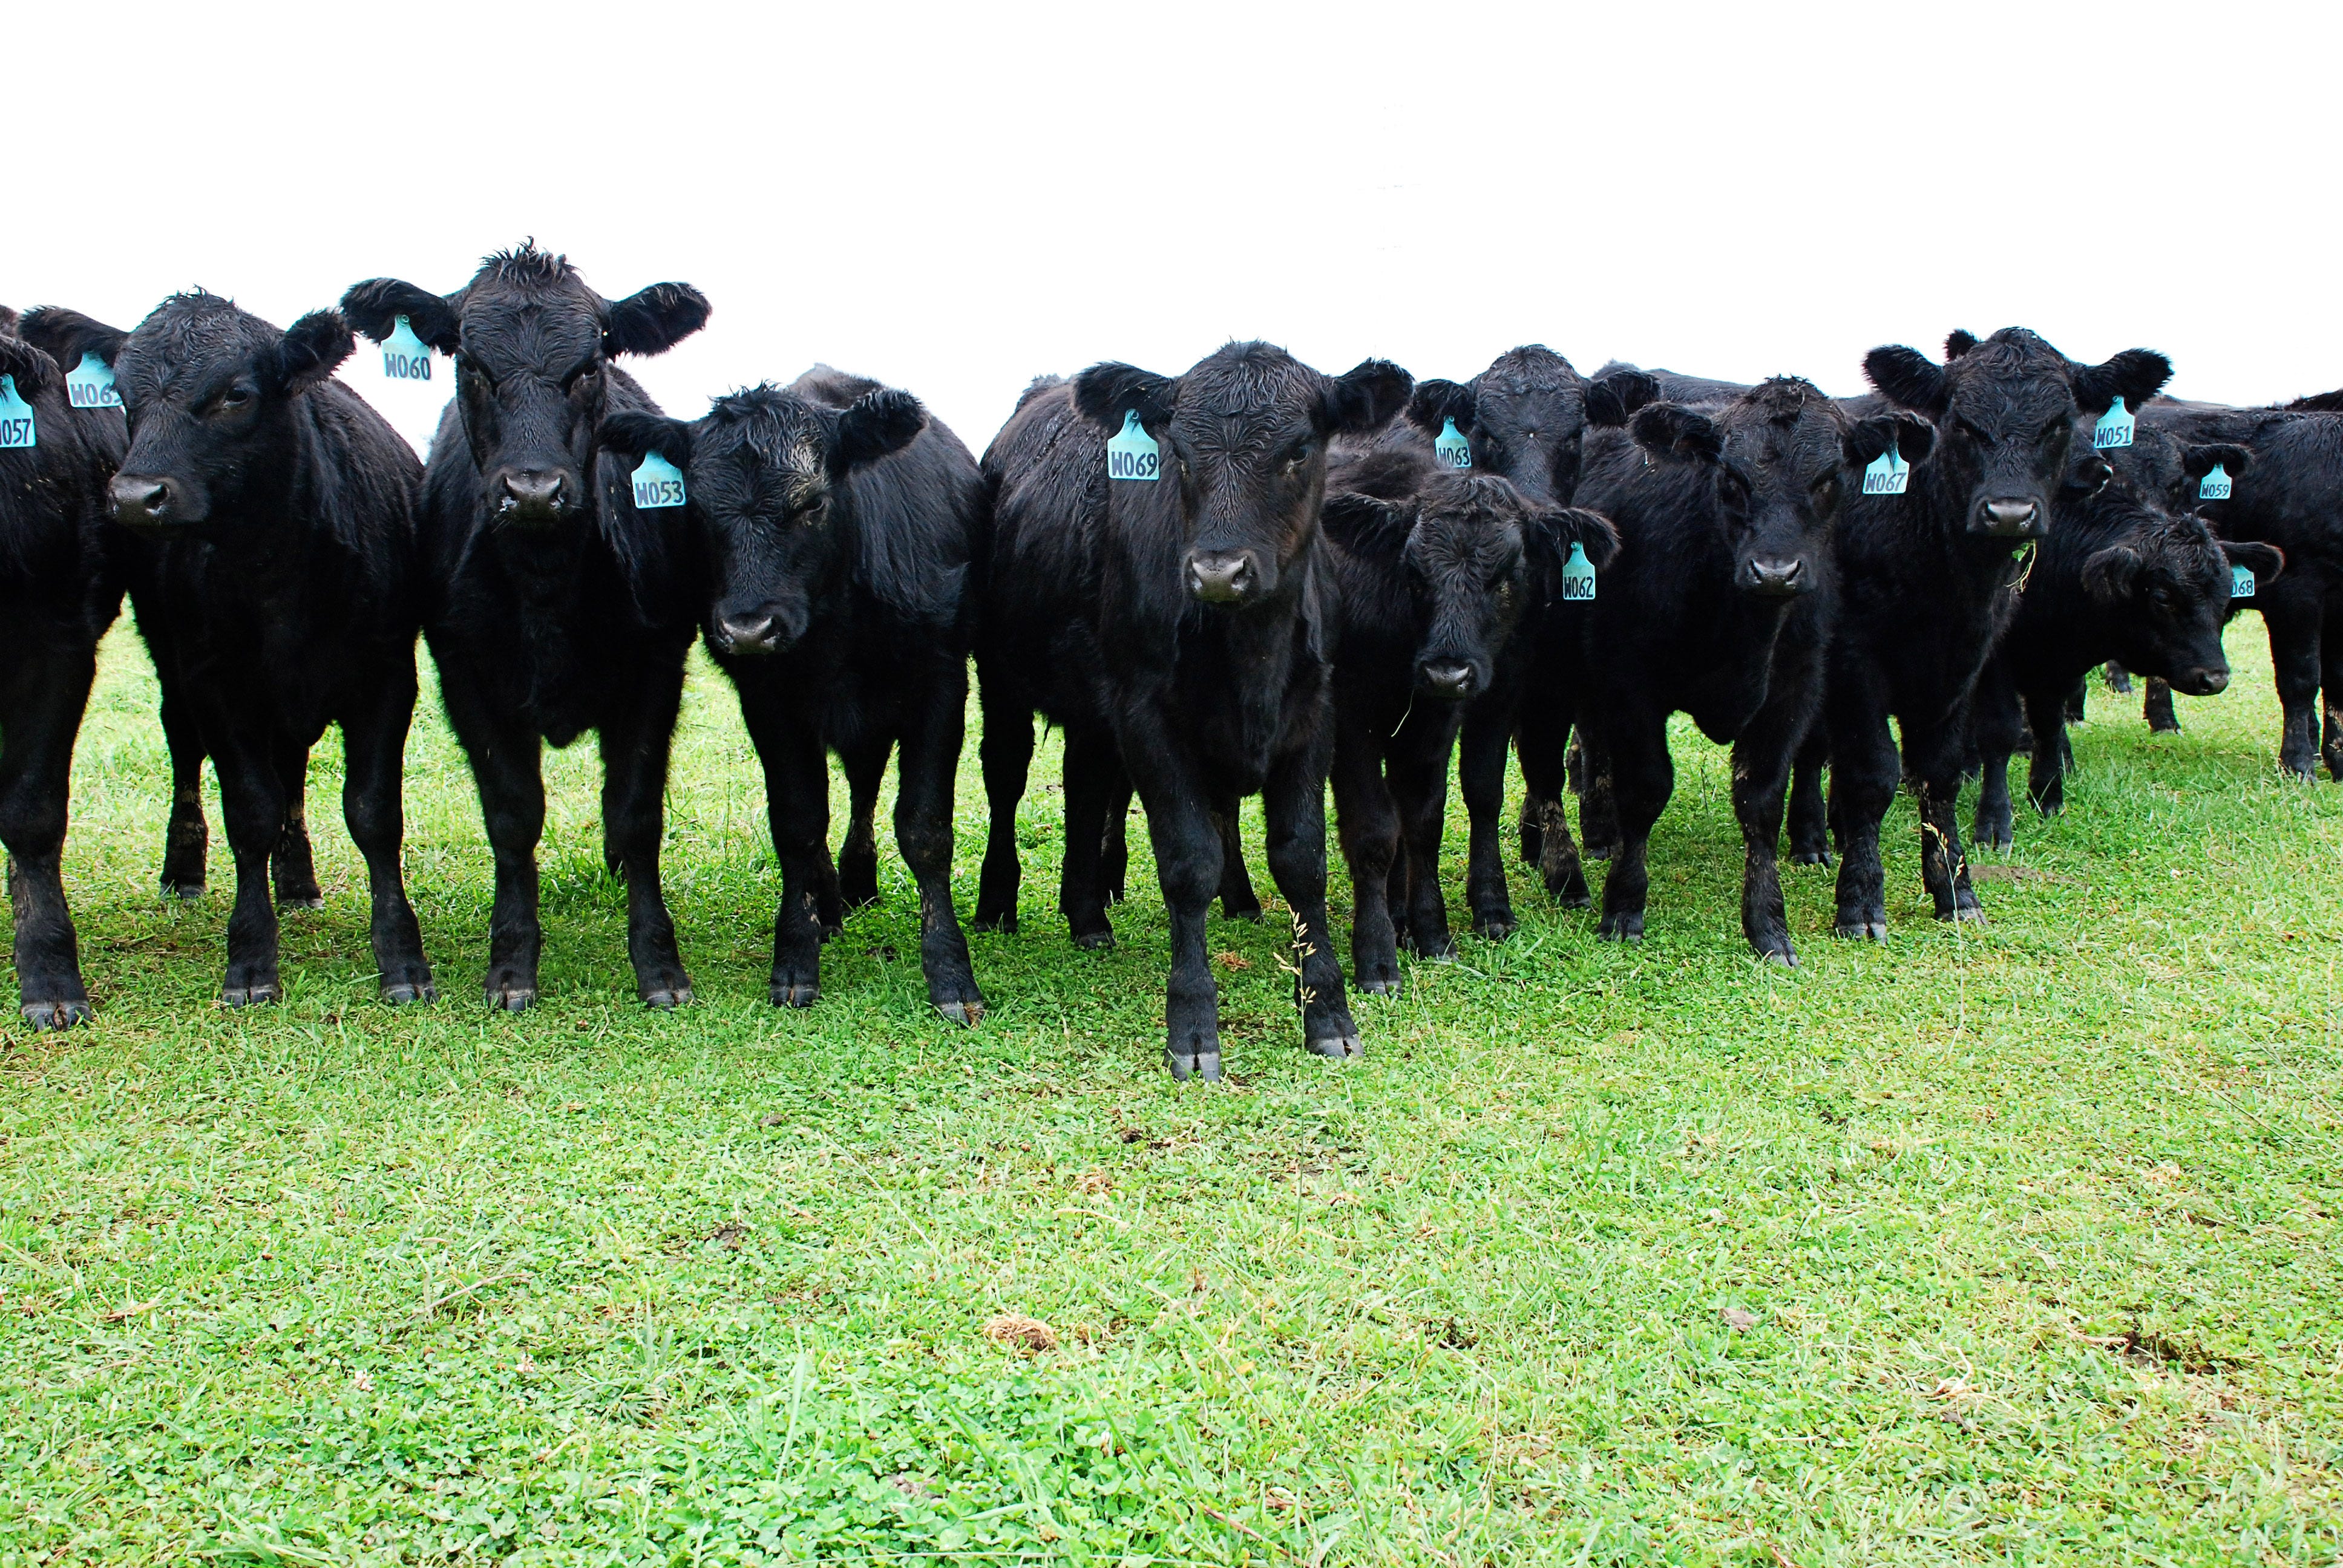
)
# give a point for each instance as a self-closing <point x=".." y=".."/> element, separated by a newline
<point x="1577" y="575"/>
<point x="2216" y="487"/>
<point x="1451" y="448"/>
<point x="1887" y="474"/>
<point x="16" y="415"/>
<point x="1131" y="453"/>
<point x="658" y="483"/>
<point x="2114" y="429"/>
<point x="2241" y="581"/>
<point x="90" y="384"/>
<point x="404" y="356"/>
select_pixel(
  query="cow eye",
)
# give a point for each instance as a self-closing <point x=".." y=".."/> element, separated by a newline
<point x="584" y="374"/>
<point x="1972" y="432"/>
<point x="235" y="397"/>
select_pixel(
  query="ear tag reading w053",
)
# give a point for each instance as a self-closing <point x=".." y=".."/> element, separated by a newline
<point x="16" y="415"/>
<point x="2114" y="429"/>
<point x="1131" y="453"/>
<point x="658" y="483"/>
<point x="90" y="384"/>
<point x="2241" y="581"/>
<point x="1577" y="575"/>
<point x="2216" y="487"/>
<point x="1887" y="474"/>
<point x="1451" y="448"/>
<point x="404" y="356"/>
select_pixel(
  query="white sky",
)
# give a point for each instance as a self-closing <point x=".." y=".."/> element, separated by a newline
<point x="954" y="199"/>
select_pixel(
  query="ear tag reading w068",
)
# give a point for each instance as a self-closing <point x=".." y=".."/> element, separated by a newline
<point x="1887" y="474"/>
<point x="1451" y="448"/>
<point x="658" y="483"/>
<point x="1577" y="575"/>
<point x="2216" y="487"/>
<point x="16" y="415"/>
<point x="90" y="384"/>
<point x="404" y="356"/>
<point x="2114" y="429"/>
<point x="1131" y="453"/>
<point x="2241" y="581"/>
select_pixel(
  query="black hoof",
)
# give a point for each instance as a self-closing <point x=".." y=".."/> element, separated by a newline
<point x="1590" y="852"/>
<point x="1094" y="942"/>
<point x="1341" y="1046"/>
<point x="55" y="1015"/>
<point x="1876" y="931"/>
<point x="1810" y="857"/>
<point x="1242" y="912"/>
<point x="187" y="892"/>
<point x="966" y="1013"/>
<point x="1782" y="956"/>
<point x="405" y="992"/>
<point x="1621" y="929"/>
<point x="511" y="996"/>
<point x="1495" y="928"/>
<point x="1379" y="985"/>
<point x="1004" y="923"/>
<point x="300" y="902"/>
<point x="1966" y="914"/>
<point x="801" y="994"/>
<point x="258" y="995"/>
<point x="1204" y="1064"/>
<point x="666" y="999"/>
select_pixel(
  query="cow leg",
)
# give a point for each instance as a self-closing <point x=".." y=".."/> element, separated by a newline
<point x="1005" y="751"/>
<point x="186" y="839"/>
<point x="2331" y="679"/>
<point x="373" y="748"/>
<point x="509" y="777"/>
<point x="2046" y="775"/>
<point x="1188" y="868"/>
<point x="1237" y="900"/>
<point x="1598" y="809"/>
<point x="40" y="714"/>
<point x="858" y="857"/>
<point x="1092" y="772"/>
<point x="1480" y="772"/>
<point x="1932" y="756"/>
<point x="925" y="775"/>
<point x="1864" y="776"/>
<point x="1293" y="800"/>
<point x="2077" y="707"/>
<point x="2294" y="648"/>
<point x="1114" y="843"/>
<point x="1995" y="719"/>
<point x="252" y="805"/>
<point x="797" y="812"/>
<point x="2157" y="709"/>
<point x="1809" y="812"/>
<point x="1642" y="775"/>
<point x="636" y="738"/>
<point x="1761" y="778"/>
<point x="2118" y="678"/>
<point x="1366" y="824"/>
<point x="290" y="864"/>
<point x="1542" y="734"/>
<point x="1419" y="784"/>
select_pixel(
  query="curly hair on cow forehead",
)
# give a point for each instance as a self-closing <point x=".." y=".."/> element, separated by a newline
<point x="524" y="264"/>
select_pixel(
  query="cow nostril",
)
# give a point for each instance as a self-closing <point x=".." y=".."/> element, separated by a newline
<point x="748" y="634"/>
<point x="133" y="494"/>
<point x="2213" y="680"/>
<point x="1221" y="578"/>
<point x="1448" y="678"/>
<point x="2011" y="515"/>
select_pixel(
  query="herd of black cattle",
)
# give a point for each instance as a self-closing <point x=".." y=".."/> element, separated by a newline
<point x="1243" y="579"/>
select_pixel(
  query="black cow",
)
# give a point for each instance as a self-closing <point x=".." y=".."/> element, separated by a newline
<point x="1175" y="628"/>
<point x="282" y="508"/>
<point x="552" y="605"/>
<point x="836" y="524"/>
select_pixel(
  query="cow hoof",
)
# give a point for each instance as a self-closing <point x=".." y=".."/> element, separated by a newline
<point x="1621" y="929"/>
<point x="1810" y="857"/>
<point x="1967" y="915"/>
<point x="1203" y="1064"/>
<point x="1495" y="928"/>
<point x="967" y="1014"/>
<point x="258" y="995"/>
<point x="1094" y="942"/>
<point x="1007" y="924"/>
<point x="1250" y="912"/>
<point x="1783" y="957"/>
<point x="1593" y="851"/>
<point x="186" y="892"/>
<point x="407" y="992"/>
<point x="1379" y="985"/>
<point x="301" y="901"/>
<point x="1876" y="931"/>
<point x="803" y="994"/>
<point x="1341" y="1046"/>
<point x="55" y="1015"/>
<point x="666" y="999"/>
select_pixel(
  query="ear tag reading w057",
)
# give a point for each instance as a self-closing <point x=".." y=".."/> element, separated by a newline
<point x="2114" y="429"/>
<point x="1131" y="453"/>
<point x="1451" y="448"/>
<point x="404" y="356"/>
<point x="658" y="483"/>
<point x="90" y="384"/>
<point x="2241" y="581"/>
<point x="1887" y="474"/>
<point x="16" y="415"/>
<point x="1577" y="575"/>
<point x="2216" y="487"/>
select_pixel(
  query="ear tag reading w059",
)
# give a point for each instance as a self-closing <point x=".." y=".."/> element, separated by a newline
<point x="2215" y="486"/>
<point x="1577" y="575"/>
<point x="1887" y="474"/>
<point x="16" y="415"/>
<point x="1451" y="448"/>
<point x="1131" y="453"/>
<point x="2114" y="429"/>
<point x="2241" y="581"/>
<point x="404" y="356"/>
<point x="658" y="483"/>
<point x="90" y="384"/>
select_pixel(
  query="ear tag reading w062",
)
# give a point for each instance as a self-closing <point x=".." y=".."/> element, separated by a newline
<point x="1451" y="448"/>
<point x="1577" y="575"/>
<point x="1887" y="474"/>
<point x="1131" y="453"/>
<point x="2114" y="429"/>
<point x="657" y="482"/>
<point x="404" y="356"/>
<point x="16" y="415"/>
<point x="2216" y="487"/>
<point x="2241" y="581"/>
<point x="90" y="384"/>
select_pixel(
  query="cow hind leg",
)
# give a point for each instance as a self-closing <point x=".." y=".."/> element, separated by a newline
<point x="186" y="839"/>
<point x="373" y="742"/>
<point x="2157" y="709"/>
<point x="1641" y="777"/>
<point x="291" y="866"/>
<point x="1005" y="751"/>
<point x="636" y="740"/>
<point x="1295" y="805"/>
<point x="1237" y="900"/>
<point x="1481" y="771"/>
<point x="1810" y="843"/>
<point x="923" y="831"/>
<point x="858" y="857"/>
<point x="1114" y="843"/>
<point x="1093" y="770"/>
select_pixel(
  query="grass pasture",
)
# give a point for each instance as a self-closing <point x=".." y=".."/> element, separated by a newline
<point x="2011" y="1245"/>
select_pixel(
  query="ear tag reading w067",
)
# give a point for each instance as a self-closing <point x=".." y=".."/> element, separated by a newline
<point x="2114" y="429"/>
<point x="2216" y="487"/>
<point x="16" y="415"/>
<point x="1451" y="448"/>
<point x="2241" y="581"/>
<point x="1577" y="575"/>
<point x="1887" y="474"/>
<point x="1131" y="453"/>
<point x="404" y="356"/>
<point x="90" y="384"/>
<point x="657" y="482"/>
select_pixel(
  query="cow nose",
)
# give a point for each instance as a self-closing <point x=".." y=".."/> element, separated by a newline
<point x="1222" y="576"/>
<point x="756" y="632"/>
<point x="138" y="498"/>
<point x="1448" y="678"/>
<point x="2011" y="517"/>
<point x="533" y="493"/>
<point x="2205" y="681"/>
<point x="1778" y="578"/>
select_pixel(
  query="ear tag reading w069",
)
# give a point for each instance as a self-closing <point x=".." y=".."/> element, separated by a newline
<point x="1452" y="448"/>
<point x="657" y="482"/>
<point x="1577" y="575"/>
<point x="1887" y="474"/>
<point x="90" y="384"/>
<point x="2241" y="581"/>
<point x="1131" y="453"/>
<point x="404" y="356"/>
<point x="2215" y="486"/>
<point x="2114" y="429"/>
<point x="16" y="415"/>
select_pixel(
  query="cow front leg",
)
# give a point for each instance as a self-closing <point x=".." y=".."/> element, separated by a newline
<point x="1093" y="776"/>
<point x="39" y="715"/>
<point x="797" y="812"/>
<point x="1761" y="773"/>
<point x="635" y="738"/>
<point x="2157" y="709"/>
<point x="1366" y="824"/>
<point x="1997" y="720"/>
<point x="1293" y="801"/>
<point x="1640" y="777"/>
<point x="923" y="831"/>
<point x="1864" y="776"/>
<point x="1187" y="867"/>
<point x="291" y="865"/>
<point x="373" y="746"/>
<point x="2294" y="640"/>
<point x="1481" y="772"/>
<point x="252" y="804"/>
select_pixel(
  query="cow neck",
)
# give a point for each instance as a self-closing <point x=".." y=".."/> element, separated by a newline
<point x="1976" y="566"/>
<point x="280" y="529"/>
<point x="1244" y="661"/>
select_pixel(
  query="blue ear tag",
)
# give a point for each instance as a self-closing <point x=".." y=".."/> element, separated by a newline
<point x="1455" y="450"/>
<point x="404" y="356"/>
<point x="1887" y="474"/>
<point x="16" y="415"/>
<point x="1132" y="454"/>
<point x="658" y="483"/>
<point x="1577" y="575"/>
<point x="2215" y="486"/>
<point x="2241" y="581"/>
<point x="90" y="384"/>
<point x="2114" y="429"/>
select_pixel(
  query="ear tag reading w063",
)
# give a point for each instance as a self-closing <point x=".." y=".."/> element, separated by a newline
<point x="658" y="483"/>
<point x="1451" y="448"/>
<point x="1132" y="454"/>
<point x="16" y="415"/>
<point x="2241" y="581"/>
<point x="90" y="384"/>
<point x="1887" y="474"/>
<point x="2215" y="486"/>
<point x="2114" y="429"/>
<point x="404" y="356"/>
<point x="1577" y="575"/>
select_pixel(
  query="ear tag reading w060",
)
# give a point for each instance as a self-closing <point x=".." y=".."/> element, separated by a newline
<point x="1887" y="474"/>
<point x="90" y="384"/>
<point x="1577" y="575"/>
<point x="2241" y="581"/>
<point x="1132" y="454"/>
<point x="404" y="356"/>
<point x="2114" y="429"/>
<point x="658" y="483"/>
<point x="16" y="415"/>
<point x="1452" y="448"/>
<point x="2215" y="486"/>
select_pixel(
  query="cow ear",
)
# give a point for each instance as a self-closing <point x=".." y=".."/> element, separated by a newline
<point x="1435" y="402"/>
<point x="2135" y="375"/>
<point x="65" y="335"/>
<point x="1368" y="526"/>
<point x="31" y="367"/>
<point x="634" y="432"/>
<point x="2088" y="474"/>
<point x="655" y="319"/>
<point x="1909" y="379"/>
<point x="2265" y="561"/>
<point x="2109" y="574"/>
<point x="310" y="351"/>
<point x="1563" y="527"/>
<point x="1671" y="429"/>
<point x="1105" y="393"/>
<point x="1867" y="440"/>
<point x="1365" y="398"/>
<point x="1958" y="342"/>
<point x="1612" y="400"/>
<point x="374" y="307"/>
<point x="2200" y="460"/>
<point x="871" y="426"/>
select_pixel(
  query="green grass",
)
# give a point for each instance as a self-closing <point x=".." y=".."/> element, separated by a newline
<point x="2001" y="1245"/>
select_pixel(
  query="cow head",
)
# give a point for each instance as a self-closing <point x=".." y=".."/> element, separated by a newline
<point x="2007" y="409"/>
<point x="1244" y="434"/>
<point x="532" y="346"/>
<point x="2159" y="578"/>
<point x="1784" y="458"/>
<point x="1525" y="416"/>
<point x="760" y="472"/>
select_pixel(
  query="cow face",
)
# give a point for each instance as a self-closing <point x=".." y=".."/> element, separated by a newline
<point x="1525" y="416"/>
<point x="532" y="346"/>
<point x="1244" y="438"/>
<point x="761" y="471"/>
<point x="2162" y="581"/>
<point x="2007" y="408"/>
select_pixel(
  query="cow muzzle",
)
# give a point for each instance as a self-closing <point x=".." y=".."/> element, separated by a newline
<point x="1224" y="577"/>
<point x="147" y="501"/>
<point x="1451" y="681"/>
<point x="2010" y="519"/>
<point x="1784" y="577"/>
<point x="2203" y="681"/>
<point x="535" y="495"/>
<point x="750" y="633"/>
